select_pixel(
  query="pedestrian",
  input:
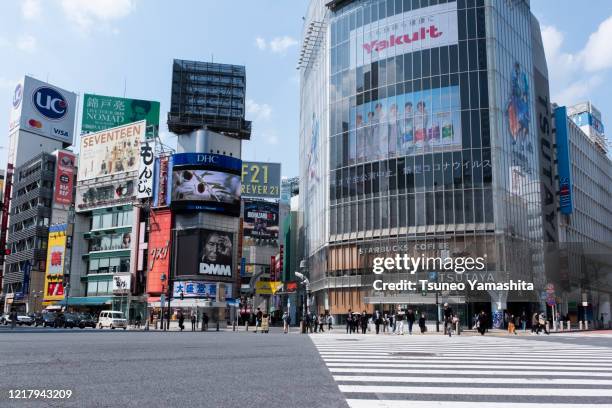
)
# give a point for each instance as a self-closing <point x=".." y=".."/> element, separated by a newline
<point x="410" y="318"/>
<point x="349" y="322"/>
<point x="523" y="320"/>
<point x="535" y="323"/>
<point x="392" y="322"/>
<point x="13" y="317"/>
<point x="330" y="322"/>
<point x="448" y="319"/>
<point x="204" y="321"/>
<point x="321" y="322"/>
<point x="511" y="326"/>
<point x="542" y="323"/>
<point x="286" y="321"/>
<point x="258" y="317"/>
<point x="181" y="320"/>
<point x="138" y="320"/>
<point x="377" y="320"/>
<point x="265" y="323"/>
<point x="400" y="321"/>
<point x="482" y="322"/>
<point x="364" y="322"/>
<point x="194" y="320"/>
<point x="422" y="325"/>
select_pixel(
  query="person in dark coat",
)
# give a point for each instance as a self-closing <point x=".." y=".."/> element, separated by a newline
<point x="377" y="320"/>
<point x="482" y="322"/>
<point x="194" y="319"/>
<point x="410" y="317"/>
<point x="363" y="319"/>
<point x="422" y="321"/>
<point x="181" y="320"/>
<point x="349" y="322"/>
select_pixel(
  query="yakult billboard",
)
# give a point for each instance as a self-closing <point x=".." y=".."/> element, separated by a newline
<point x="44" y="109"/>
<point x="420" y="29"/>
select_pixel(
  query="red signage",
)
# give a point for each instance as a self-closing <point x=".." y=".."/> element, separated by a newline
<point x="64" y="178"/>
<point x="55" y="289"/>
<point x="160" y="223"/>
<point x="163" y="182"/>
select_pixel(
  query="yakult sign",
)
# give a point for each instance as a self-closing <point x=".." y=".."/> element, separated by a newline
<point x="424" y="28"/>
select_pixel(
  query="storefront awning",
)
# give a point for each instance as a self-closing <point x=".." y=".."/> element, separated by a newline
<point x="89" y="301"/>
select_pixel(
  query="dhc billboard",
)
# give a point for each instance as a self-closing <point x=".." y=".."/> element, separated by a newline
<point x="563" y="161"/>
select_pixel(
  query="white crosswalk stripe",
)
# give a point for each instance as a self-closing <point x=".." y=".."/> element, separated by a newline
<point x="466" y="371"/>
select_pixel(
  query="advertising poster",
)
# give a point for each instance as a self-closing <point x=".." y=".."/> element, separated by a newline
<point x="122" y="284"/>
<point x="260" y="219"/>
<point x="404" y="125"/>
<point x="195" y="289"/>
<point x="64" y="178"/>
<point x="160" y="182"/>
<point x="44" y="109"/>
<point x="104" y="195"/>
<point x="103" y="112"/>
<point x="145" y="170"/>
<point x="205" y="182"/>
<point x="261" y="180"/>
<point x="56" y="249"/>
<point x="411" y="31"/>
<point x="111" y="151"/>
<point x="160" y="236"/>
<point x="216" y="253"/>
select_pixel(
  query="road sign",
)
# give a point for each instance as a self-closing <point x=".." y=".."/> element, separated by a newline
<point x="551" y="301"/>
<point x="550" y="288"/>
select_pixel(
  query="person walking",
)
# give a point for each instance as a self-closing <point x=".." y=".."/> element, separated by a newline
<point x="542" y="323"/>
<point x="448" y="319"/>
<point x="265" y="323"/>
<point x="194" y="320"/>
<point x="330" y="322"/>
<point x="364" y="322"/>
<point x="349" y="322"/>
<point x="286" y="321"/>
<point x="13" y="317"/>
<point x="482" y="323"/>
<point x="377" y="320"/>
<point x="511" y="325"/>
<point x="392" y="322"/>
<point x="204" y="321"/>
<point x="258" y="317"/>
<point x="422" y="325"/>
<point x="321" y="322"/>
<point x="181" y="320"/>
<point x="399" y="317"/>
<point x="523" y="320"/>
<point x="410" y="318"/>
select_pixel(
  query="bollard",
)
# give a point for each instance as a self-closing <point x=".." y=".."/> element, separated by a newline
<point x="246" y="325"/>
<point x="302" y="328"/>
<point x="547" y="326"/>
<point x="586" y="325"/>
<point x="580" y="325"/>
<point x="217" y="325"/>
<point x="457" y="328"/>
<point x="560" y="326"/>
<point x="569" y="325"/>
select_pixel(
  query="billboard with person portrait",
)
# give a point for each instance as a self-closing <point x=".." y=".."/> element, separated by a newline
<point x="203" y="252"/>
<point x="260" y="219"/>
<point x="103" y="112"/>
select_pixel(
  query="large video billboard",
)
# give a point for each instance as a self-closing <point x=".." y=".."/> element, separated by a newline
<point x="407" y="124"/>
<point x="204" y="252"/>
<point x="261" y="180"/>
<point x="103" y="112"/>
<point x="260" y="219"/>
<point x="414" y="30"/>
<point x="44" y="109"/>
<point x="111" y="151"/>
<point x="206" y="182"/>
<point x="56" y="249"/>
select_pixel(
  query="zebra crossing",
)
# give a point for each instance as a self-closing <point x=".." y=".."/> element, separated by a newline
<point x="466" y="371"/>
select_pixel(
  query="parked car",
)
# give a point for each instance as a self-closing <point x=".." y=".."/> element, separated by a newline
<point x="112" y="319"/>
<point x="71" y="320"/>
<point x="24" y="319"/>
<point x="45" y="319"/>
<point x="86" y="320"/>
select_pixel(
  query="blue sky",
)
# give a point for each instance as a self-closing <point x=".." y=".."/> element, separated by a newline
<point x="108" y="46"/>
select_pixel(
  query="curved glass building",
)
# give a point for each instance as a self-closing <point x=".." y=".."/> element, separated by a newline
<point x="426" y="130"/>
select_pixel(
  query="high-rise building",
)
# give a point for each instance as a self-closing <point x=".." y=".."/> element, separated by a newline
<point x="588" y="118"/>
<point x="421" y="133"/>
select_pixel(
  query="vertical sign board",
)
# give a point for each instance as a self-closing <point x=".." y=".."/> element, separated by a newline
<point x="563" y="161"/>
<point x="145" y="170"/>
<point x="64" y="178"/>
<point x="56" y="252"/>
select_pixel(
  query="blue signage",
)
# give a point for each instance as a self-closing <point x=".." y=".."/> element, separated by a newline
<point x="50" y="103"/>
<point x="27" y="268"/>
<point x="563" y="161"/>
<point x="207" y="160"/>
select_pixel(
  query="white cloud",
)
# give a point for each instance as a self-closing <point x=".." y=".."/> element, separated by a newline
<point x="277" y="45"/>
<point x="31" y="9"/>
<point x="260" y="43"/>
<point x="597" y="53"/>
<point x="8" y="83"/>
<point x="257" y="112"/>
<point x="578" y="90"/>
<point x="272" y="139"/>
<point x="280" y="45"/>
<point x="86" y="13"/>
<point x="27" y="43"/>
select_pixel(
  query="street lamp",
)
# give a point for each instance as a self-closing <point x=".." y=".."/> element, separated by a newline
<point x="305" y="304"/>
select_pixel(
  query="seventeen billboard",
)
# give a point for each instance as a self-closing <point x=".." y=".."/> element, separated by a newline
<point x="44" y="109"/>
<point x="111" y="151"/>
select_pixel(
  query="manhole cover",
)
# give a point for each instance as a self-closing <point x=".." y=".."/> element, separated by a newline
<point x="413" y="354"/>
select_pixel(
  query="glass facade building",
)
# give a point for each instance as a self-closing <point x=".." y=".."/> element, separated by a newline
<point x="420" y="135"/>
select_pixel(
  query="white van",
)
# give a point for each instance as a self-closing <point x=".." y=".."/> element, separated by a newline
<point x="112" y="319"/>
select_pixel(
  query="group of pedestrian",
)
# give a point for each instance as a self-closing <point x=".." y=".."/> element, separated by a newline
<point x="356" y="321"/>
<point x="538" y="323"/>
<point x="391" y="323"/>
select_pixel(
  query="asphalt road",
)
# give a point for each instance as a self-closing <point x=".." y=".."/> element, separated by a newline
<point x="153" y="369"/>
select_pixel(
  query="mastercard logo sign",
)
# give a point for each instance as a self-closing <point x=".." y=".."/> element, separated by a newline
<point x="35" y="123"/>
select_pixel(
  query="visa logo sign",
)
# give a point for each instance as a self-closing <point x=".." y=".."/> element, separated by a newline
<point x="60" y="132"/>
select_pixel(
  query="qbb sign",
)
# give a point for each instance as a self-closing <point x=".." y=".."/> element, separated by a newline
<point x="49" y="103"/>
